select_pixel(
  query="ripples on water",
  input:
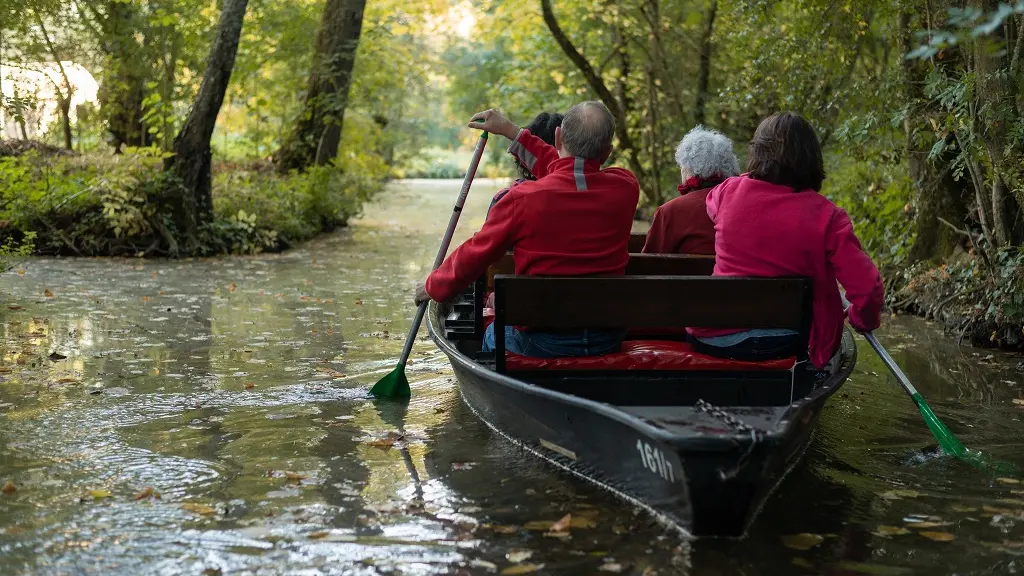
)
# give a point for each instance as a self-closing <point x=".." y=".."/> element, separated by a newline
<point x="235" y="389"/>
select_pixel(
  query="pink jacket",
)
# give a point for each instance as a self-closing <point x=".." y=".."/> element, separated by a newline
<point x="767" y="230"/>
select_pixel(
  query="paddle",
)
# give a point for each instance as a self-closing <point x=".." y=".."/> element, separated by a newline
<point x="947" y="440"/>
<point x="395" y="384"/>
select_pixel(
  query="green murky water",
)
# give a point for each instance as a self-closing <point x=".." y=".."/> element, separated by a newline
<point x="235" y="389"/>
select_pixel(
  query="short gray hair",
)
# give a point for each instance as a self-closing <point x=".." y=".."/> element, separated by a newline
<point x="705" y="153"/>
<point x="587" y="130"/>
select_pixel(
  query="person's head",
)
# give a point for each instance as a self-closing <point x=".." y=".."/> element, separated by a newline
<point x="785" y="151"/>
<point x="587" y="131"/>
<point x="543" y="127"/>
<point x="706" y="154"/>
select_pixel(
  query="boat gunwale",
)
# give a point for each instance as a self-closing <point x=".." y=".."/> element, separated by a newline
<point x="817" y="396"/>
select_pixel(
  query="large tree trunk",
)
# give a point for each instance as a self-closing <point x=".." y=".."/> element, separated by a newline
<point x="317" y="133"/>
<point x="122" y="86"/>
<point x="190" y="164"/>
<point x="704" y="74"/>
<point x="938" y="195"/>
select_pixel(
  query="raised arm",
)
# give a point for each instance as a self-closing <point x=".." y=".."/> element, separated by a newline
<point x="856" y="273"/>
<point x="533" y="152"/>
<point x="470" y="260"/>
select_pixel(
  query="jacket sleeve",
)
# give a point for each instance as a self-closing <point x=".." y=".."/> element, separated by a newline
<point x="534" y="153"/>
<point x="657" y="236"/>
<point x="470" y="260"/>
<point x="856" y="273"/>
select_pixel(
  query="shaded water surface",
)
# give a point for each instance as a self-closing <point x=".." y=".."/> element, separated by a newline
<point x="234" y="389"/>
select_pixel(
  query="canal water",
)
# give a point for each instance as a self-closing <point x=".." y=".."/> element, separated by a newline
<point x="212" y="417"/>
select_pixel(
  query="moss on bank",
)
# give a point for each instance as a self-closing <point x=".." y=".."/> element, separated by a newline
<point x="100" y="205"/>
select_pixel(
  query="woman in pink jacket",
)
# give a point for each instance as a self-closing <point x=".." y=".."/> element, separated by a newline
<point x="773" y="222"/>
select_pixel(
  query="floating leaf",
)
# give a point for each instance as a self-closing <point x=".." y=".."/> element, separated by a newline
<point x="563" y="524"/>
<point x="232" y="287"/>
<point x="522" y="569"/>
<point x="898" y="494"/>
<point x="359" y="302"/>
<point x="890" y="531"/>
<point x="294" y="476"/>
<point x="1008" y="480"/>
<point x="55" y="356"/>
<point x="962" y="508"/>
<point x="201" y="509"/>
<point x="938" y="536"/>
<point x="146" y="493"/>
<point x="67" y="381"/>
<point x="14" y="307"/>
<point x="48" y="293"/>
<point x="613" y="567"/>
<point x="489" y="566"/>
<point x="803" y="541"/>
<point x="100" y="494"/>
<point x="517" y="555"/>
<point x="540" y="525"/>
<point x="9" y="488"/>
<point x="919" y="525"/>
<point x="249" y="385"/>
<point x="1018" y="401"/>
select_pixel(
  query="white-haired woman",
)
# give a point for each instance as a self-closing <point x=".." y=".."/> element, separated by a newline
<point x="682" y="226"/>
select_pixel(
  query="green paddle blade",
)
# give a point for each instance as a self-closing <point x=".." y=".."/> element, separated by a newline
<point x="394" y="385"/>
<point x="946" y="439"/>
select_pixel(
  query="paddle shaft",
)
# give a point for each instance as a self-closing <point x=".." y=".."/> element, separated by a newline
<point x="891" y="364"/>
<point x="478" y="152"/>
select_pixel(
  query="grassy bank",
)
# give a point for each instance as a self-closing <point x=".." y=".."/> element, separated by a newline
<point x="105" y="205"/>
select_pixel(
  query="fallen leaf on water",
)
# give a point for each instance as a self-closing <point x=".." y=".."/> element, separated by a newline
<point x="1009" y="480"/>
<point x="232" y="287"/>
<point x="146" y="493"/>
<point x="613" y="567"/>
<point x="649" y="571"/>
<point x="918" y="525"/>
<point x="67" y="381"/>
<point x="98" y="494"/>
<point x="803" y="541"/>
<point x="359" y="302"/>
<point x="146" y="298"/>
<point x="318" y="535"/>
<point x="938" y="536"/>
<point x="212" y="572"/>
<point x="994" y="510"/>
<point x="14" y="307"/>
<point x="517" y="555"/>
<point x="249" y="385"/>
<point x="201" y="509"/>
<point x="1018" y="401"/>
<point x="500" y="529"/>
<point x="5" y="369"/>
<point x="382" y="442"/>
<point x="48" y="293"/>
<point x="541" y="525"/>
<point x="294" y="476"/>
<point x="962" y="508"/>
<point x="890" y="531"/>
<point x="897" y="494"/>
<point x="489" y="566"/>
<point x="9" y="488"/>
<point x="563" y="524"/>
<point x="522" y="569"/>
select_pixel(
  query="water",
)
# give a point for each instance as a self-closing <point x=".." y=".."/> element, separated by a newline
<point x="235" y="388"/>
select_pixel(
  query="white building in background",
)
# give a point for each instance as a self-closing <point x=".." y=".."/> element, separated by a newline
<point x="36" y="81"/>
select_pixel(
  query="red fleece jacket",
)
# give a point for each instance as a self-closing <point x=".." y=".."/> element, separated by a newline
<point x="767" y="230"/>
<point x="682" y="226"/>
<point x="574" y="220"/>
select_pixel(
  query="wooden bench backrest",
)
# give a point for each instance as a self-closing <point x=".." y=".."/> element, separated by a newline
<point x="637" y="241"/>
<point x="649" y="302"/>
<point x="639" y="265"/>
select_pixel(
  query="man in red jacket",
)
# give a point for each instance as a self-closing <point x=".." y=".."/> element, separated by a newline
<point x="574" y="220"/>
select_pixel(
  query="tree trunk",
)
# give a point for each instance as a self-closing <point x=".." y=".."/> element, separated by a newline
<point x="63" y="96"/>
<point x="704" y="74"/>
<point x="601" y="89"/>
<point x="122" y="87"/>
<point x="937" y="194"/>
<point x="317" y="133"/>
<point x="190" y="164"/>
<point x="65" y="117"/>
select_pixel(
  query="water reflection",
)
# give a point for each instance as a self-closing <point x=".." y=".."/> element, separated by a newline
<point x="236" y="390"/>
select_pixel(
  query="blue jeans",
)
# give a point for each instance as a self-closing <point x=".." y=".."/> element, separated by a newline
<point x="547" y="345"/>
<point x="753" y="345"/>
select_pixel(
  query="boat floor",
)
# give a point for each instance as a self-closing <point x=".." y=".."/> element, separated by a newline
<point x="689" y="421"/>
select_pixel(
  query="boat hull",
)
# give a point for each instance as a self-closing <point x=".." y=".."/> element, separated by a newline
<point x="703" y="485"/>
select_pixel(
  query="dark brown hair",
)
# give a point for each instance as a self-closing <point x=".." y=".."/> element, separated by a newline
<point x="785" y="151"/>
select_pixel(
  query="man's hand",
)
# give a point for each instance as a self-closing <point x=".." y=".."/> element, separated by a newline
<point x="494" y="122"/>
<point x="421" y="294"/>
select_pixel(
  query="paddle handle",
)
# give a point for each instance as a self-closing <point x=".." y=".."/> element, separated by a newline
<point x="891" y="364"/>
<point x="478" y="153"/>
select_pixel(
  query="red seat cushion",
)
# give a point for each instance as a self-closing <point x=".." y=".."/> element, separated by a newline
<point x="645" y="355"/>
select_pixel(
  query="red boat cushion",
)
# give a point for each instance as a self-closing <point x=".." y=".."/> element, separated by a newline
<point x="645" y="355"/>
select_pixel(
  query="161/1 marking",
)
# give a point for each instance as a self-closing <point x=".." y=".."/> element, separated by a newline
<point x="655" y="461"/>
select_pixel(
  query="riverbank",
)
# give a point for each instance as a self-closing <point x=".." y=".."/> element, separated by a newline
<point x="107" y="205"/>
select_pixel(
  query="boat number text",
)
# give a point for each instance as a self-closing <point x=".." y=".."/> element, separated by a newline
<point x="655" y="461"/>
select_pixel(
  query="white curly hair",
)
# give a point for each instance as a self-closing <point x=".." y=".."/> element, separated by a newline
<point x="704" y="152"/>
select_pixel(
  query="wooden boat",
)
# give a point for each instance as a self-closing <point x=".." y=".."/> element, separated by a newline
<point x="697" y="441"/>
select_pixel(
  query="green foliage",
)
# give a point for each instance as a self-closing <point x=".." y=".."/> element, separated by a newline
<point x="13" y="250"/>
